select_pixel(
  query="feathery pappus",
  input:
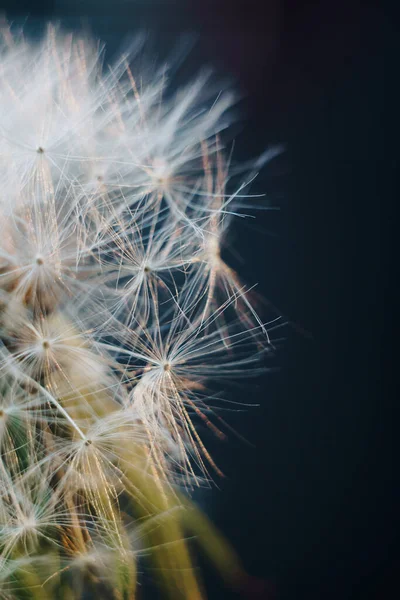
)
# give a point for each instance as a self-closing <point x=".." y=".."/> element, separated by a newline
<point x="118" y="316"/>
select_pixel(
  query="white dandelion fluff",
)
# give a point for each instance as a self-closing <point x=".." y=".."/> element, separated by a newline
<point x="118" y="314"/>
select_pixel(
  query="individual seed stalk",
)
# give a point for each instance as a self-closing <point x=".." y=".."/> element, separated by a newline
<point x="118" y="314"/>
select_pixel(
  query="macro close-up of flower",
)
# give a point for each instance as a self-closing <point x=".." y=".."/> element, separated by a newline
<point x="193" y="304"/>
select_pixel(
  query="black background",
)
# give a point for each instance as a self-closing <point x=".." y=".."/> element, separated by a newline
<point x="313" y="507"/>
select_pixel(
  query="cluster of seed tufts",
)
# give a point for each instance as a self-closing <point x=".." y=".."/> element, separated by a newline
<point x="118" y="314"/>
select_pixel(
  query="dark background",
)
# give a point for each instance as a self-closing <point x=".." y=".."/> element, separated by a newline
<point x="313" y="507"/>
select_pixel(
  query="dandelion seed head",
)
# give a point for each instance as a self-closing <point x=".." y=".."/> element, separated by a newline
<point x="119" y="318"/>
